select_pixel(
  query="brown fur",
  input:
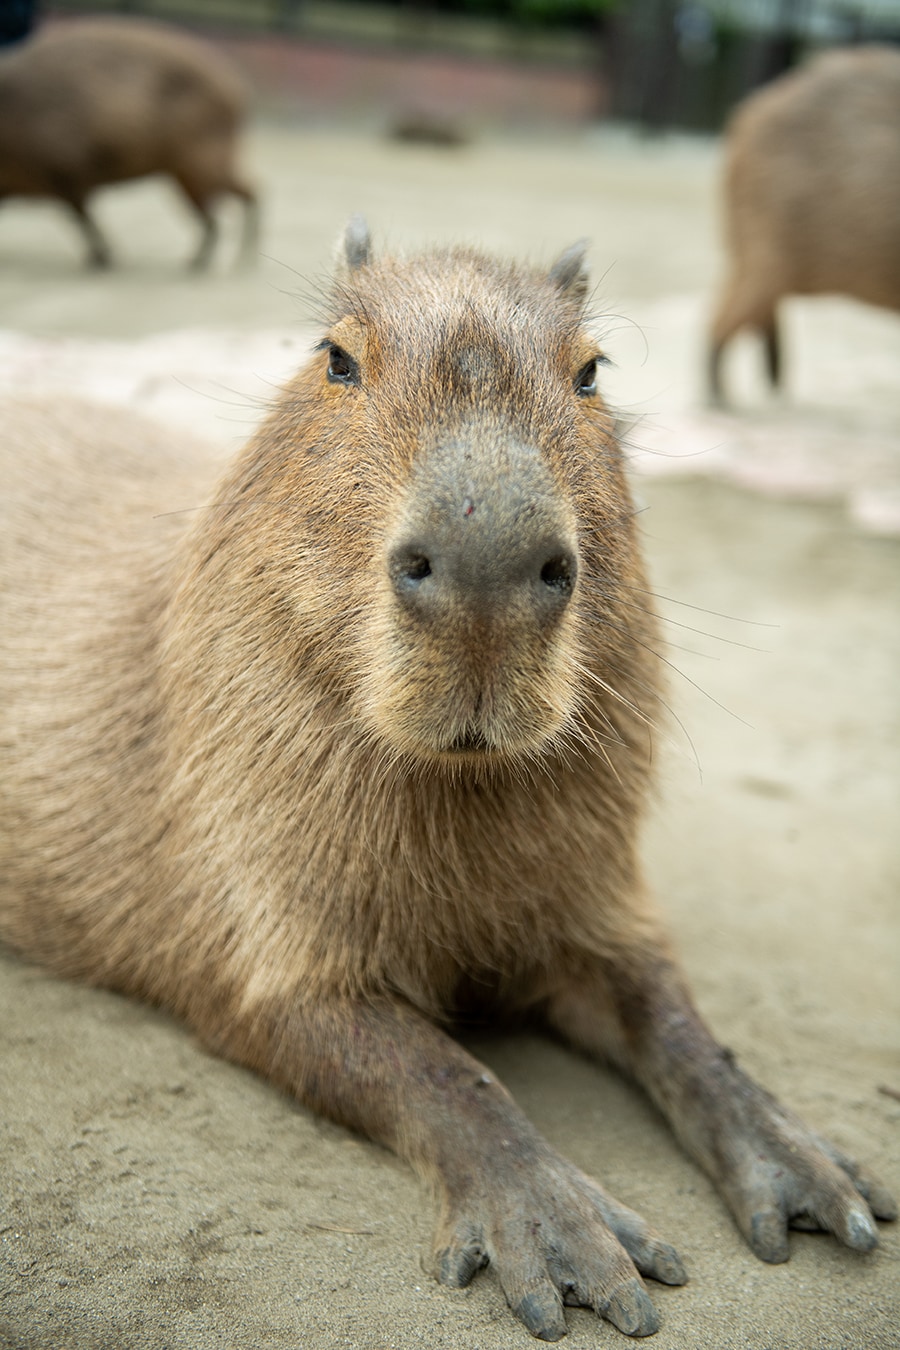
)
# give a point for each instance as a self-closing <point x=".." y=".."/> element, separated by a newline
<point x="100" y="101"/>
<point x="812" y="194"/>
<point x="254" y="774"/>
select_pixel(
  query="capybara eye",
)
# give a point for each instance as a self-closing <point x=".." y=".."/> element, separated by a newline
<point x="342" y="369"/>
<point x="586" y="380"/>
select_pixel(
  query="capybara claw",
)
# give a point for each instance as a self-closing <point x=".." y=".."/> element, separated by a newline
<point x="631" y="1310"/>
<point x="860" y="1232"/>
<point x="665" y="1265"/>
<point x="768" y="1237"/>
<point x="541" y="1312"/>
<point x="456" y="1266"/>
<point x="879" y="1199"/>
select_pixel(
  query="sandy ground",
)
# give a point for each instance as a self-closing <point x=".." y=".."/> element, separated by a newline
<point x="152" y="1197"/>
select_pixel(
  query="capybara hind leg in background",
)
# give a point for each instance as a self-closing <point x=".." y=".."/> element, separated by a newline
<point x="202" y="190"/>
<point x="364" y="745"/>
<point x="811" y="195"/>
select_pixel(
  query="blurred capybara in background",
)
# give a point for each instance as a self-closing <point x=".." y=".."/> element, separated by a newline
<point x="360" y="748"/>
<point x="100" y="101"/>
<point x="812" y="195"/>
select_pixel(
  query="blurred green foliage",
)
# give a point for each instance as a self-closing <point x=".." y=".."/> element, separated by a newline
<point x="539" y="11"/>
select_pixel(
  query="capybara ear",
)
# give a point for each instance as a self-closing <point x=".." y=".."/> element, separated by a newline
<point x="356" y="243"/>
<point x="570" y="273"/>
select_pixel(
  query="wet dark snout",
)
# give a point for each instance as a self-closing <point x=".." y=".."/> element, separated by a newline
<point x="485" y="538"/>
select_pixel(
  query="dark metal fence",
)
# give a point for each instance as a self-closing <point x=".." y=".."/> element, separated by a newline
<point x="686" y="63"/>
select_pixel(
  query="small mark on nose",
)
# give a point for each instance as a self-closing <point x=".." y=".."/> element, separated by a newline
<point x="468" y="507"/>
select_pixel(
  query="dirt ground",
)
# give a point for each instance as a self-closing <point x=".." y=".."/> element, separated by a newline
<point x="155" y="1198"/>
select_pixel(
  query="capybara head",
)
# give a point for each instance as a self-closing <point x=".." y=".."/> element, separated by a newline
<point x="455" y="533"/>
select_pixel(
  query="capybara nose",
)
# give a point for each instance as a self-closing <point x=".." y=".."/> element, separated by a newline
<point x="477" y="569"/>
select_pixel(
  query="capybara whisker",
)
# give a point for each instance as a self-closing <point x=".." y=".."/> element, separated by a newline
<point x="329" y="776"/>
<point x="607" y="688"/>
<point x="701" y="632"/>
<point x="703" y="609"/>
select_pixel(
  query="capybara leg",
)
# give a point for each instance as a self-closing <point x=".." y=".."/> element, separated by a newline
<point x="201" y="202"/>
<point x="771" y="1170"/>
<point x="98" y="250"/>
<point x="729" y="317"/>
<point x="772" y="348"/>
<point x="739" y="310"/>
<point x="506" y="1198"/>
<point x="210" y="233"/>
<point x="714" y="374"/>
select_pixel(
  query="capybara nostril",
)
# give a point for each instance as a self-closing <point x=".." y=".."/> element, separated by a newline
<point x="558" y="575"/>
<point x="408" y="567"/>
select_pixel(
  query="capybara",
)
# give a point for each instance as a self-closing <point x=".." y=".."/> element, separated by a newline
<point x="99" y="101"/>
<point x="811" y="195"/>
<point x="360" y="749"/>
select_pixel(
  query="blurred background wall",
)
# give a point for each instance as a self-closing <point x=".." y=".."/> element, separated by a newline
<point x="658" y="63"/>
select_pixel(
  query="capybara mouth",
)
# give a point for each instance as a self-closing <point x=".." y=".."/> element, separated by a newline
<point x="470" y="742"/>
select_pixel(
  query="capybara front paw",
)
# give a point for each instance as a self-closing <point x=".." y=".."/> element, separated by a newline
<point x="785" y="1176"/>
<point x="563" y="1241"/>
<point x="810" y="1189"/>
